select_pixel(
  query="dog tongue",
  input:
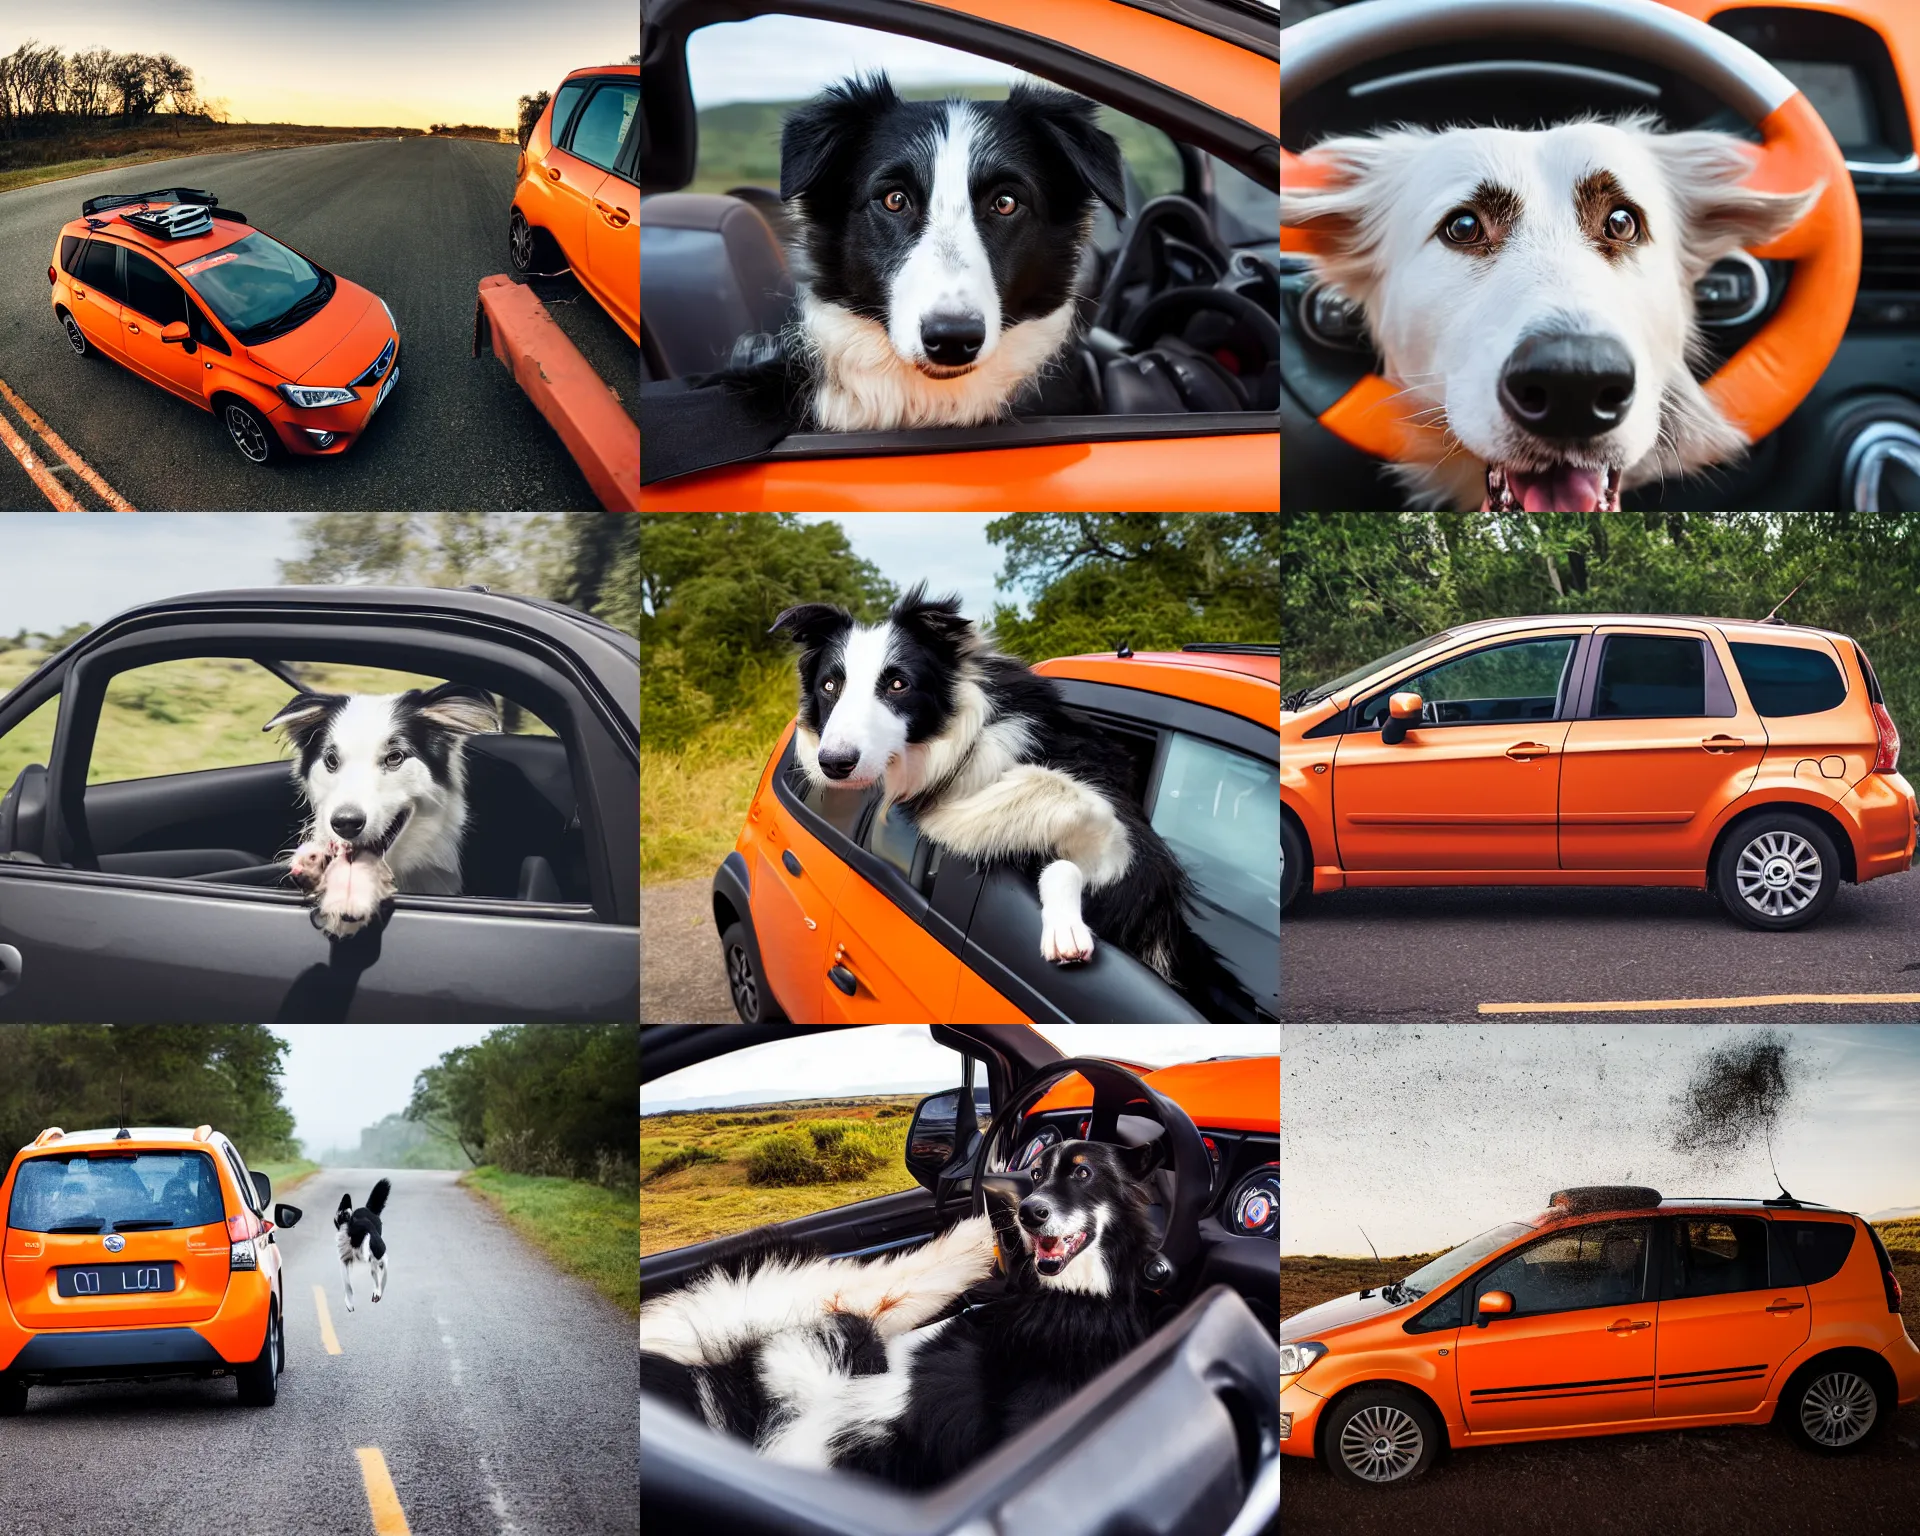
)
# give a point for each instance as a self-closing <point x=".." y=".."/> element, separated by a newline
<point x="1564" y="488"/>
<point x="1048" y="1244"/>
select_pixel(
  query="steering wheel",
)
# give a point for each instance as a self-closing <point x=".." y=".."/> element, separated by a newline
<point x="1761" y="384"/>
<point x="1114" y="1088"/>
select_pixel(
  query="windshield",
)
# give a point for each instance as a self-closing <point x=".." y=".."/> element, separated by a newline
<point x="1444" y="1268"/>
<point x="1327" y="690"/>
<point x="258" y="287"/>
<point x="116" y="1192"/>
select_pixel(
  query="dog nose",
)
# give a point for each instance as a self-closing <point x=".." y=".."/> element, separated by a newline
<point x="1567" y="385"/>
<point x="348" y="823"/>
<point x="952" y="340"/>
<point x="837" y="765"/>
<point x="1034" y="1213"/>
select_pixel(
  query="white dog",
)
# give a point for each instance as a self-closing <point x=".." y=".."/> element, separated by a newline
<point x="1532" y="292"/>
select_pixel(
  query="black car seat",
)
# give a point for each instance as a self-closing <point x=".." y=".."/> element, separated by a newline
<point x="712" y="270"/>
<point x="524" y="838"/>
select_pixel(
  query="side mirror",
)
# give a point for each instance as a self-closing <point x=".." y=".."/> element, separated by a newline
<point x="1403" y="713"/>
<point x="1493" y="1304"/>
<point x="285" y="1215"/>
<point x="263" y="1189"/>
<point x="930" y="1136"/>
<point x="174" y="333"/>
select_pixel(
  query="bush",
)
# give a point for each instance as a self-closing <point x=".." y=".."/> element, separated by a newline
<point x="818" y="1152"/>
<point x="890" y="1112"/>
<point x="681" y="1157"/>
<point x="751" y="1119"/>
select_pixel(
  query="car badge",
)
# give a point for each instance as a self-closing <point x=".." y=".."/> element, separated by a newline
<point x="1254" y="1209"/>
<point x="115" y="1242"/>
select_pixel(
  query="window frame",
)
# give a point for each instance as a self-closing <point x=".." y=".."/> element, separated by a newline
<point x="119" y="295"/>
<point x="1833" y="661"/>
<point x="578" y="116"/>
<point x="1716" y="686"/>
<point x="1652" y="1271"/>
<point x="1570" y="670"/>
<point x="166" y="276"/>
<point x="1669" y="1287"/>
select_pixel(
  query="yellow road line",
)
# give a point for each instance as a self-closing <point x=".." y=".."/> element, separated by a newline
<point x="36" y="469"/>
<point x="59" y="445"/>
<point x="327" y="1336"/>
<point x="1662" y="1004"/>
<point x="388" y="1517"/>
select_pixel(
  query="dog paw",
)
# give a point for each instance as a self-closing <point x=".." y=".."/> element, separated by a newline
<point x="308" y="866"/>
<point x="351" y="894"/>
<point x="1064" y="939"/>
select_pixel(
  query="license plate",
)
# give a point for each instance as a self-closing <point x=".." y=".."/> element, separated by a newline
<point x="386" y="388"/>
<point x="113" y="1279"/>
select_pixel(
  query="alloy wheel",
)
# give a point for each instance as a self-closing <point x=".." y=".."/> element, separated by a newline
<point x="1381" y="1444"/>
<point x="247" y="434"/>
<point x="76" y="338"/>
<point x="521" y="237"/>
<point x="740" y="979"/>
<point x="1778" y="873"/>
<point x="1838" y="1409"/>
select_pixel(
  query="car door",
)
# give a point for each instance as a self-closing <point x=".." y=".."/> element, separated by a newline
<point x="98" y="289"/>
<point x="1662" y="744"/>
<point x="577" y="166"/>
<point x="884" y="966"/>
<point x="1475" y="784"/>
<point x="155" y="300"/>
<point x="1578" y="1348"/>
<point x="612" y="228"/>
<point x="794" y="874"/>
<point x="1725" y="1328"/>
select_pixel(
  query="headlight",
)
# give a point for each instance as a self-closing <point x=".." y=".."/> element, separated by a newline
<point x="307" y="395"/>
<point x="1295" y="1358"/>
<point x="391" y="322"/>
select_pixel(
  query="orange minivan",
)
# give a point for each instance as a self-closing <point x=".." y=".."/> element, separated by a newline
<point x="1756" y="760"/>
<point x="1613" y="1311"/>
<point x="137" y="1254"/>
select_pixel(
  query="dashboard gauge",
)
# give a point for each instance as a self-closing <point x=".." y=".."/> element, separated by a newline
<point x="1046" y="1137"/>
<point x="1253" y="1206"/>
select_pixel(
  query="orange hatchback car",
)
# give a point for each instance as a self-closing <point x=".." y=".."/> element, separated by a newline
<point x="576" y="195"/>
<point x="187" y="294"/>
<point x="1757" y="760"/>
<point x="1613" y="1311"/>
<point x="134" y="1255"/>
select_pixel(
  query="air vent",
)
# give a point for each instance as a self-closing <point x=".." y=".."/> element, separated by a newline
<point x="1890" y="253"/>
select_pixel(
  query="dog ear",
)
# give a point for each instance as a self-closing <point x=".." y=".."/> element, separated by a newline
<point x="346" y="1204"/>
<point x="459" y="707"/>
<point x="810" y="623"/>
<point x="1360" y="178"/>
<point x="304" y="714"/>
<point x="826" y="127"/>
<point x="937" y="617"/>
<point x="1719" y="213"/>
<point x="1141" y="1160"/>
<point x="1072" y="124"/>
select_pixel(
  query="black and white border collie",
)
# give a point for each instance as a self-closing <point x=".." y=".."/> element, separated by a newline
<point x="938" y="243"/>
<point x="835" y="1363"/>
<point x="385" y="776"/>
<point x="361" y="1241"/>
<point x="984" y="756"/>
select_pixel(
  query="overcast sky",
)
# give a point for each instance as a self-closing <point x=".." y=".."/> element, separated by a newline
<point x="1428" y="1135"/>
<point x="338" y="1078"/>
<point x="948" y="550"/>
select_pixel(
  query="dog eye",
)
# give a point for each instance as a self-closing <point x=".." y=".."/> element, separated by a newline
<point x="895" y="201"/>
<point x="1463" y="228"/>
<point x="898" y="685"/>
<point x="1082" y="1172"/>
<point x="1622" y="225"/>
<point x="331" y="760"/>
<point x="394" y="758"/>
<point x="1005" y="204"/>
<point x="828" y="686"/>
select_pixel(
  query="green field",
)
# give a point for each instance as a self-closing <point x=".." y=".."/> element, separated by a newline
<point x="714" y="1199"/>
<point x="285" y="1176"/>
<point x="588" y="1231"/>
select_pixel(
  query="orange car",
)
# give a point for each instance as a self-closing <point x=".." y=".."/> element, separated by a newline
<point x="1756" y="760"/>
<point x="577" y="189"/>
<point x="136" y="1255"/>
<point x="1613" y="1311"/>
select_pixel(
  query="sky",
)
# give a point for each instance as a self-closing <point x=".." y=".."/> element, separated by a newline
<point x="1425" y="1135"/>
<point x="398" y="63"/>
<point x="948" y="549"/>
<point x="904" y="1059"/>
<point x="338" y="1078"/>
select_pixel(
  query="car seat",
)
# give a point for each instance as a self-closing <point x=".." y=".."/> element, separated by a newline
<point x="713" y="271"/>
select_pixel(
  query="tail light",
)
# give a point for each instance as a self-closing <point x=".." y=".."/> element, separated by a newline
<point x="1888" y="760"/>
<point x="52" y="276"/>
<point x="242" y="1229"/>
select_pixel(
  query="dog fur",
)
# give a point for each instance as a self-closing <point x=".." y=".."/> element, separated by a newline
<point x="361" y="1241"/>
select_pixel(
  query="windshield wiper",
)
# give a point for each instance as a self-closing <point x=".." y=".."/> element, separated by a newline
<point x="144" y="1224"/>
<point x="1297" y="699"/>
<point x="300" y="309"/>
<point x="77" y="1226"/>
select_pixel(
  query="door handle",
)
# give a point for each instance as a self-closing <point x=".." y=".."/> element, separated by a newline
<point x="79" y="293"/>
<point x="793" y="864"/>
<point x="1723" y="743"/>
<point x="10" y="967"/>
<point x="553" y="173"/>
<point x="1785" y="1306"/>
<point x="844" y="979"/>
<point x="617" y="217"/>
<point x="1627" y="1326"/>
<point x="134" y="328"/>
<point x="1520" y="751"/>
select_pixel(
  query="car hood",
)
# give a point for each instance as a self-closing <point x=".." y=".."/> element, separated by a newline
<point x="1339" y="1312"/>
<point x="329" y="348"/>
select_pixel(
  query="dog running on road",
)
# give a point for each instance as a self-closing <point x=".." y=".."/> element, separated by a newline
<point x="360" y="1239"/>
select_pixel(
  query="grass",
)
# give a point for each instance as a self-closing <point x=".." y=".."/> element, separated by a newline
<point x="286" y="1176"/>
<point x="588" y="1231"/>
<point x="685" y="1202"/>
<point x="110" y="147"/>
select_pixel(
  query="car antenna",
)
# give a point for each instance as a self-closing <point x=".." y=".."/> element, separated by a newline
<point x="1376" y="1251"/>
<point x="1772" y="618"/>
<point x="1785" y="1197"/>
<point x="123" y="1134"/>
<point x="1125" y="653"/>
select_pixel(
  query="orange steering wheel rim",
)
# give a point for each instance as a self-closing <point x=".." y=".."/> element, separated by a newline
<point x="1757" y="388"/>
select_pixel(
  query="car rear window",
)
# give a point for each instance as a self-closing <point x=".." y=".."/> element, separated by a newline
<point x="100" y="269"/>
<point x="70" y="251"/>
<point x="1788" y="679"/>
<point x="116" y="1191"/>
<point x="1818" y="1248"/>
<point x="604" y="123"/>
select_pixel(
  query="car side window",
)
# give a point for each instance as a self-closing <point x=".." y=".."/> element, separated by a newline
<point x="1713" y="1256"/>
<point x="564" y="101"/>
<point x="247" y="1192"/>
<point x="1656" y="677"/>
<point x="1788" y="679"/>
<point x="839" y="808"/>
<point x="1817" y="1249"/>
<point x="1522" y="680"/>
<point x="604" y="123"/>
<point x="893" y="837"/>
<point x="152" y="292"/>
<point x="1603" y="1265"/>
<point x="70" y="251"/>
<point x="100" y="269"/>
<point x="204" y="331"/>
<point x="1219" y="811"/>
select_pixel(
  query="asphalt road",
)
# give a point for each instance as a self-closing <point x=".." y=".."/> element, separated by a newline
<point x="683" y="976"/>
<point x="418" y="221"/>
<point x="1442" y="953"/>
<point x="501" y="1394"/>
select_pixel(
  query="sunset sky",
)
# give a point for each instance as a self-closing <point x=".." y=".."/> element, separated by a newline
<point x="404" y="63"/>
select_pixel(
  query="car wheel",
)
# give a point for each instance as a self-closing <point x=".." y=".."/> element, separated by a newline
<point x="1380" y="1436"/>
<point x="260" y="1381"/>
<point x="751" y="998"/>
<point x="1296" y="867"/>
<point x="249" y="432"/>
<point x="1834" y="1407"/>
<point x="13" y="1399"/>
<point x="531" y="251"/>
<point x="76" y="338"/>
<point x="1778" y="871"/>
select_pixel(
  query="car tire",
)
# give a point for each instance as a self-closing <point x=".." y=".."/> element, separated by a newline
<point x="13" y="1399"/>
<point x="1296" y="868"/>
<point x="1835" y="1406"/>
<point x="753" y="1000"/>
<point x="76" y="338"/>
<point x="259" y="1381"/>
<point x="1778" y="870"/>
<point x="1380" y="1437"/>
<point x="531" y="251"/>
<point x="251" y="434"/>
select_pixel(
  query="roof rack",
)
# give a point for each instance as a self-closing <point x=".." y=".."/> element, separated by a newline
<point x="163" y="195"/>
<point x="176" y="221"/>
<point x="1603" y="1197"/>
<point x="1235" y="647"/>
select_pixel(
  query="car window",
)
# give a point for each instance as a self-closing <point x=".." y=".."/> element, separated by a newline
<point x="1648" y="677"/>
<point x="205" y="331"/>
<point x="779" y="1131"/>
<point x="1818" y="1248"/>
<point x="100" y="269"/>
<point x="1713" y="1256"/>
<point x="1603" y="1265"/>
<point x="1522" y="680"/>
<point x="116" y="1191"/>
<point x="1788" y="679"/>
<point x="1249" y="213"/>
<point x="1438" y="1272"/>
<point x="604" y="123"/>
<point x="152" y="292"/>
<point x="839" y="808"/>
<point x="70" y="251"/>
<point x="893" y="837"/>
<point x="253" y="283"/>
<point x="1219" y="810"/>
<point x="564" y="101"/>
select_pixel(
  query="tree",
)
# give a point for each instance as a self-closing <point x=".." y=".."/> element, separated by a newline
<point x="530" y="109"/>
